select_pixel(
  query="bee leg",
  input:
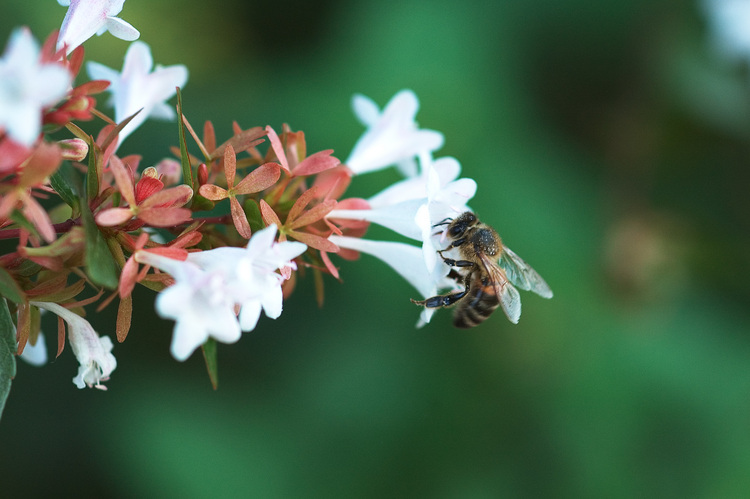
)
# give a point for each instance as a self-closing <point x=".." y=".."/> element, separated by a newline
<point x="455" y="263"/>
<point x="445" y="300"/>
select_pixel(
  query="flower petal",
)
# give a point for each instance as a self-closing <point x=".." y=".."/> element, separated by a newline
<point x="121" y="29"/>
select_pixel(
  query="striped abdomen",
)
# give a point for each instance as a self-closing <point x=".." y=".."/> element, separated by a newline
<point x="477" y="305"/>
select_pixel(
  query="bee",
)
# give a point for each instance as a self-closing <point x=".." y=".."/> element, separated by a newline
<point x="489" y="272"/>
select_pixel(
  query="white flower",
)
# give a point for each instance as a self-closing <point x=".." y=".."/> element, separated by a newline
<point x="730" y="26"/>
<point x="251" y="273"/>
<point x="27" y="86"/>
<point x="137" y="88"/>
<point x="94" y="353"/>
<point x="88" y="17"/>
<point x="36" y="355"/>
<point x="406" y="260"/>
<point x="209" y="284"/>
<point x="413" y="206"/>
<point x="392" y="137"/>
<point x="198" y="302"/>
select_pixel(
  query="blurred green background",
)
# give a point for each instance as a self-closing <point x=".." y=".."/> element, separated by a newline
<point x="610" y="145"/>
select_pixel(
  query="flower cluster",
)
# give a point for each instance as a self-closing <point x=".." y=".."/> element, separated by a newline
<point x="219" y="231"/>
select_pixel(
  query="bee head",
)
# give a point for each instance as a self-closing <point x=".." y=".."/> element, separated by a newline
<point x="461" y="224"/>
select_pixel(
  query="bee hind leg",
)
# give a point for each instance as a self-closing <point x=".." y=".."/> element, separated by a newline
<point x="441" y="300"/>
<point x="447" y="299"/>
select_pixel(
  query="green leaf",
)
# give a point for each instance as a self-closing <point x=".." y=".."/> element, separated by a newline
<point x="7" y="353"/>
<point x="9" y="288"/>
<point x="187" y="172"/>
<point x="92" y="176"/>
<point x="212" y="363"/>
<point x="62" y="184"/>
<point x="100" y="265"/>
<point x="252" y="210"/>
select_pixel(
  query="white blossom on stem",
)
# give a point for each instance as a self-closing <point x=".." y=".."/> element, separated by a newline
<point x="198" y="302"/>
<point x="210" y="284"/>
<point x="94" y="352"/>
<point x="138" y="88"/>
<point x="392" y="136"/>
<point x="27" y="86"/>
<point x="85" y="18"/>
<point x="252" y="276"/>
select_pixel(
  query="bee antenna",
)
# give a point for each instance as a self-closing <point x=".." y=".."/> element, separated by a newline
<point x="444" y="221"/>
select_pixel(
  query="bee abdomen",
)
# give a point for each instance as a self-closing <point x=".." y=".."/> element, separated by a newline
<point x="475" y="308"/>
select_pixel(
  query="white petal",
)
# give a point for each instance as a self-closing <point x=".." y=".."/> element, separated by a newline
<point x="365" y="110"/>
<point x="405" y="259"/>
<point x="272" y="302"/>
<point x="402" y="108"/>
<point x="25" y="125"/>
<point x="138" y="60"/>
<point x="261" y="240"/>
<point x="162" y="111"/>
<point x="399" y="217"/>
<point x="98" y="71"/>
<point x="410" y="188"/>
<point x="121" y="29"/>
<point x="249" y="315"/>
<point x="186" y="338"/>
<point x="163" y="82"/>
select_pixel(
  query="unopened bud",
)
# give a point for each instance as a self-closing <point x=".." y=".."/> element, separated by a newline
<point x="150" y="172"/>
<point x="202" y="174"/>
<point x="74" y="149"/>
<point x="170" y="171"/>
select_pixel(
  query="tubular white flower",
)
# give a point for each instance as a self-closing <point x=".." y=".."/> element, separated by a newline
<point x="407" y="261"/>
<point x="27" y="87"/>
<point x="392" y="137"/>
<point x="94" y="353"/>
<point x="198" y="302"/>
<point x="85" y="18"/>
<point x="209" y="284"/>
<point x="251" y="273"/>
<point x="137" y="87"/>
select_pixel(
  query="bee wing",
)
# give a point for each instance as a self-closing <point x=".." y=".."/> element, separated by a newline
<point x="522" y="275"/>
<point x="510" y="299"/>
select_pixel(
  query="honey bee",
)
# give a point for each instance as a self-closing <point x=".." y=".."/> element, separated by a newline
<point x="491" y="272"/>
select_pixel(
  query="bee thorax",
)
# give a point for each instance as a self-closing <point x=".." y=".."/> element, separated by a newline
<point x="486" y="240"/>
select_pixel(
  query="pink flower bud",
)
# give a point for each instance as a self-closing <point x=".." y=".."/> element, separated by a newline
<point x="170" y="171"/>
<point x="202" y="174"/>
<point x="74" y="149"/>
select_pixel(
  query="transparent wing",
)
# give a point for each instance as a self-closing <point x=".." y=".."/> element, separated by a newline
<point x="522" y="275"/>
<point x="510" y="299"/>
